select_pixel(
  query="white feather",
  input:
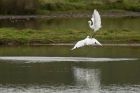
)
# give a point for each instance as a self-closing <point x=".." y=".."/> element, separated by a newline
<point x="87" y="41"/>
<point x="79" y="44"/>
<point x="95" y="22"/>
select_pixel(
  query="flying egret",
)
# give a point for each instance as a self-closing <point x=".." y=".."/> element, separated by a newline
<point x="87" y="41"/>
<point x="95" y="22"/>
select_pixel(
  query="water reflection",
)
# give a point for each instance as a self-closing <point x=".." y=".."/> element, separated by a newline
<point x="19" y="24"/>
<point x="64" y="51"/>
<point x="38" y="89"/>
<point x="70" y="77"/>
<point x="88" y="78"/>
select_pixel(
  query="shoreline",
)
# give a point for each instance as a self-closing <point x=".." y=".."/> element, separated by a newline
<point x="72" y="44"/>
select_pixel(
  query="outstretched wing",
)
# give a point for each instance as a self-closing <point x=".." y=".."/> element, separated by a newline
<point x="86" y="41"/>
<point x="79" y="44"/>
<point x="92" y="18"/>
<point x="97" y="20"/>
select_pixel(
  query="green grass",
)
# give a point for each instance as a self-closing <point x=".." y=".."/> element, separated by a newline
<point x="67" y="5"/>
<point x="28" y="36"/>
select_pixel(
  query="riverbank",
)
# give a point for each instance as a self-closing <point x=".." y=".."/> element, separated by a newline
<point x="12" y="36"/>
<point x="106" y="45"/>
<point x="43" y="31"/>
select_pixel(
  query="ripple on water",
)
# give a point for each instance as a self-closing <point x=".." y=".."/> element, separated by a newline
<point x="60" y="59"/>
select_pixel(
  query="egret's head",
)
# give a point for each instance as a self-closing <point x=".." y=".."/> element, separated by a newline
<point x="88" y="36"/>
<point x="96" y="42"/>
<point x="89" y="22"/>
<point x="95" y="10"/>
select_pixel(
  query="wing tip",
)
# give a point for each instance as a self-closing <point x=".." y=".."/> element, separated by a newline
<point x="72" y="48"/>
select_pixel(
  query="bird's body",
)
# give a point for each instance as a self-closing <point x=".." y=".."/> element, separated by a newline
<point x="95" y="22"/>
<point x="87" y="41"/>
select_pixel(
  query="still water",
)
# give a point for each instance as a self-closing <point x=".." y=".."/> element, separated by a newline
<point x="68" y="76"/>
<point x="118" y="24"/>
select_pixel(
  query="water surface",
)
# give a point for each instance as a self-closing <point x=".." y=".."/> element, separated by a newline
<point x="80" y="24"/>
<point x="68" y="76"/>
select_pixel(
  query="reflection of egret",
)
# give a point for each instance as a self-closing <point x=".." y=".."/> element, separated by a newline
<point x="95" y="22"/>
<point x="87" y="41"/>
<point x="88" y="78"/>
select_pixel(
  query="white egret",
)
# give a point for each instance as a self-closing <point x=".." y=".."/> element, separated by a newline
<point x="87" y="41"/>
<point x="95" y="22"/>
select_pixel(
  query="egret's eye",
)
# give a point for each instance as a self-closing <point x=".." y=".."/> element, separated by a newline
<point x="95" y="43"/>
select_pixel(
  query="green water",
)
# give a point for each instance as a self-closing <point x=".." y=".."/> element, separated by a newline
<point x="80" y="24"/>
<point x="54" y="51"/>
<point x="69" y="76"/>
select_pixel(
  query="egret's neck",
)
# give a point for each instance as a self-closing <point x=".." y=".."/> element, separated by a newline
<point x="90" y="24"/>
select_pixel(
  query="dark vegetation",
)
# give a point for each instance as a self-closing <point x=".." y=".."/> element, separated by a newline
<point x="18" y="7"/>
<point x="43" y="6"/>
<point x="63" y="5"/>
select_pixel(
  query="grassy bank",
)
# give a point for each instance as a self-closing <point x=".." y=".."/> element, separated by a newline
<point x="80" y="5"/>
<point x="11" y="36"/>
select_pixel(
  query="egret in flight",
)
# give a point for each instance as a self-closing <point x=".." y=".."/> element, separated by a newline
<point x="95" y="22"/>
<point x="87" y="41"/>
